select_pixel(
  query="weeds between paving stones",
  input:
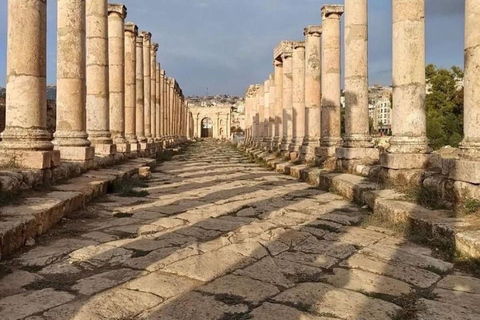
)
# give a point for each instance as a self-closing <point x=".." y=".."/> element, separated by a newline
<point x="126" y="187"/>
<point x="471" y="206"/>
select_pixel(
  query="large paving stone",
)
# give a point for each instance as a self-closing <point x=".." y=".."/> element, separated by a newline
<point x="443" y="311"/>
<point x="356" y="236"/>
<point x="468" y="301"/>
<point x="345" y="304"/>
<point x="363" y="281"/>
<point x="193" y="306"/>
<point x="266" y="270"/>
<point x="317" y="260"/>
<point x="163" y="284"/>
<point x="335" y="249"/>
<point x="101" y="255"/>
<point x="102" y="281"/>
<point x="29" y="303"/>
<point x="249" y="290"/>
<point x="458" y="282"/>
<point x="273" y="311"/>
<point x="395" y="269"/>
<point x="14" y="282"/>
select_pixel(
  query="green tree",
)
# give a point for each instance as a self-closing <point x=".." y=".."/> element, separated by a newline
<point x="444" y="106"/>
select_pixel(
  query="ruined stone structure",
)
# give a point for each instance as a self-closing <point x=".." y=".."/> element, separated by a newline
<point x="311" y="110"/>
<point x="107" y="98"/>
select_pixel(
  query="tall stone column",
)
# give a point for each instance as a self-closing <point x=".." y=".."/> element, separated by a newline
<point x="260" y="95"/>
<point x="153" y="89"/>
<point x="171" y="108"/>
<point x="116" y="58"/>
<point x="71" y="135"/>
<point x="287" y="98"/>
<point x="467" y="168"/>
<point x="131" y="33"/>
<point x="147" y="78"/>
<point x="271" y="120"/>
<point x="165" y="106"/>
<point x="331" y="81"/>
<point x="409" y="144"/>
<point x="313" y="91"/>
<point x="140" y="94"/>
<point x="158" y="103"/>
<point x="278" y="128"/>
<point x="26" y="141"/>
<point x="266" y="114"/>
<point x="254" y="116"/>
<point x="98" y="109"/>
<point x="298" y="98"/>
<point x="357" y="145"/>
<point x="248" y="115"/>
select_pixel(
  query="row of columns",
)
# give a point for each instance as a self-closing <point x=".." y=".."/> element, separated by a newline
<point x="112" y="95"/>
<point x="312" y="67"/>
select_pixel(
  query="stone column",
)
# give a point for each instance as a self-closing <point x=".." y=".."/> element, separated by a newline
<point x="153" y="89"/>
<point x="131" y="33"/>
<point x="278" y="128"/>
<point x="254" y="116"/>
<point x="266" y="114"/>
<point x="25" y="141"/>
<point x="248" y="115"/>
<point x="71" y="135"/>
<point x="313" y="91"/>
<point x="331" y="81"/>
<point x="98" y="109"/>
<point x="260" y="103"/>
<point x="287" y="98"/>
<point x="298" y="98"/>
<point x="271" y="119"/>
<point x="164" y="106"/>
<point x="467" y="168"/>
<point x="409" y="144"/>
<point x="116" y="58"/>
<point x="357" y="144"/>
<point x="158" y="103"/>
<point x="140" y="94"/>
<point x="147" y="78"/>
<point x="171" y="108"/>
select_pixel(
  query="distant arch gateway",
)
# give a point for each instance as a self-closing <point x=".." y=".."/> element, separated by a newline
<point x="210" y="122"/>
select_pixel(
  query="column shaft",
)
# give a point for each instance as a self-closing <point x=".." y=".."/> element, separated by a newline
<point x="298" y="97"/>
<point x="287" y="99"/>
<point x="266" y="114"/>
<point x="271" y="120"/>
<point x="260" y="113"/>
<point x="131" y="33"/>
<point x="158" y="80"/>
<point x="153" y="89"/>
<point x="278" y="105"/>
<point x="331" y="81"/>
<point x="98" y="110"/>
<point x="140" y="94"/>
<point x="147" y="84"/>
<point x="116" y="58"/>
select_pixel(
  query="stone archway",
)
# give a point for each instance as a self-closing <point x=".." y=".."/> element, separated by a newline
<point x="207" y="128"/>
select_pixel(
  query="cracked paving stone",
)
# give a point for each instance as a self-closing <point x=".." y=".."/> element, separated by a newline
<point x="334" y="249"/>
<point x="102" y="281"/>
<point x="273" y="311"/>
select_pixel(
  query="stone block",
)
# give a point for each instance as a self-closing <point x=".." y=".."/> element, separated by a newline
<point x="404" y="160"/>
<point x="134" y="147"/>
<point x="462" y="170"/>
<point x="357" y="153"/>
<point x="105" y="149"/>
<point x="325" y="152"/>
<point x="123" y="147"/>
<point x="76" y="153"/>
<point x="29" y="159"/>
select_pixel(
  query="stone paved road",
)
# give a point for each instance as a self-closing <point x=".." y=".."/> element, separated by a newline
<point x="220" y="238"/>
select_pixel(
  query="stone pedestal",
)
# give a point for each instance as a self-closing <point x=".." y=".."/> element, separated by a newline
<point x="331" y="81"/>
<point x="29" y="159"/>
<point x="123" y="147"/>
<point x="105" y="149"/>
<point x="313" y="91"/>
<point x="81" y="155"/>
<point x="409" y="144"/>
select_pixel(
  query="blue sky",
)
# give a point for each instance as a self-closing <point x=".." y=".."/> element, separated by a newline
<point x="226" y="45"/>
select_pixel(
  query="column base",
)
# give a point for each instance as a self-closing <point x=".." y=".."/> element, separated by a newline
<point x="399" y="161"/>
<point x="82" y="155"/>
<point x="462" y="170"/>
<point x="29" y="159"/>
<point x="325" y="152"/>
<point x="308" y="149"/>
<point x="367" y="154"/>
<point x="105" y="149"/>
<point x="123" y="148"/>
<point x="134" y="147"/>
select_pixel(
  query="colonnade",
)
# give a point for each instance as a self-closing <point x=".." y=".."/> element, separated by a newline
<point x="112" y="94"/>
<point x="306" y="124"/>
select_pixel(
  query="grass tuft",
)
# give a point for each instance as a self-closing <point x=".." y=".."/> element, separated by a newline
<point x="126" y="187"/>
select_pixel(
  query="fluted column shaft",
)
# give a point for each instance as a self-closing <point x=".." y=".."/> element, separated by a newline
<point x="116" y="58"/>
<point x="131" y="33"/>
<point x="98" y="110"/>
<point x="140" y="94"/>
<point x="278" y="105"/>
<point x="298" y="97"/>
<point x="287" y="100"/>
<point x="331" y="81"/>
